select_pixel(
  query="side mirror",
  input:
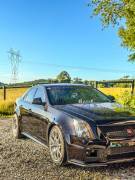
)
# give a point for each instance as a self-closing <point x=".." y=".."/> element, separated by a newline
<point x="112" y="98"/>
<point x="38" y="101"/>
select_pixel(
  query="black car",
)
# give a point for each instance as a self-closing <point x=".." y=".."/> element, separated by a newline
<point x="78" y="123"/>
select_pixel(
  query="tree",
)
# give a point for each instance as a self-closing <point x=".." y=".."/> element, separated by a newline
<point x="115" y="12"/>
<point x="77" y="80"/>
<point x="86" y="82"/>
<point x="64" y="77"/>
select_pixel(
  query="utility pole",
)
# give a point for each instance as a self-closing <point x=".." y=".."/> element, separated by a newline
<point x="15" y="59"/>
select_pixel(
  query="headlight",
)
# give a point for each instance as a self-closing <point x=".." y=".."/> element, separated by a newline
<point x="83" y="130"/>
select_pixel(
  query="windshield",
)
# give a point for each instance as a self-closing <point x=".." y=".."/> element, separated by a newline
<point x="61" y="95"/>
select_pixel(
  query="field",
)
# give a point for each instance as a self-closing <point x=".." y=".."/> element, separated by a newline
<point x="7" y="107"/>
<point x="13" y="94"/>
<point x="116" y="92"/>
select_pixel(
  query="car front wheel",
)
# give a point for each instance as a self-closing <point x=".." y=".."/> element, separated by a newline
<point x="57" y="146"/>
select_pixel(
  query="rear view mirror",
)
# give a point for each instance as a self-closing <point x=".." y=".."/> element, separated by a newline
<point x="38" y="101"/>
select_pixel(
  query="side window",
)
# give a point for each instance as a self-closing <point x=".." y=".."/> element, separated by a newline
<point x="40" y="94"/>
<point x="29" y="96"/>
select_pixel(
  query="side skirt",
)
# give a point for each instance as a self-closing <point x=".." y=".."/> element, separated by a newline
<point x="99" y="164"/>
<point x="82" y="164"/>
<point x="35" y="139"/>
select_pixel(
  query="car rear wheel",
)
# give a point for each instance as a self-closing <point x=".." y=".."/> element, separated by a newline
<point x="16" y="127"/>
<point x="57" y="146"/>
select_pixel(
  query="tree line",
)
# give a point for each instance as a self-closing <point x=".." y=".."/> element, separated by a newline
<point x="64" y="77"/>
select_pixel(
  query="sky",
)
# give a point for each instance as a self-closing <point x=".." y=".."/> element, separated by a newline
<point x="59" y="35"/>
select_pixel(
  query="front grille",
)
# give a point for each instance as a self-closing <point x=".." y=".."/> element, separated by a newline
<point x="118" y="131"/>
<point x="120" y="134"/>
<point x="122" y="150"/>
<point x="122" y="156"/>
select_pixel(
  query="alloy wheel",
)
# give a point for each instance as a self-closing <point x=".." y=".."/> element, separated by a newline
<point x="56" y="145"/>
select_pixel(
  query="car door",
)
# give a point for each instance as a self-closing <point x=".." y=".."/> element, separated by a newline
<point x="39" y="119"/>
<point x="25" y="110"/>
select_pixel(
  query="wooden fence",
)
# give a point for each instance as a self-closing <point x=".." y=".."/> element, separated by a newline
<point x="131" y="82"/>
<point x="4" y="89"/>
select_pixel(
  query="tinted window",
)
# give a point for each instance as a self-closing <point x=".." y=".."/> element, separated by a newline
<point x="40" y="94"/>
<point x="61" y="95"/>
<point x="29" y="96"/>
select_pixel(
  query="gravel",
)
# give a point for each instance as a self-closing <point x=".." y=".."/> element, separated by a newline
<point x="26" y="160"/>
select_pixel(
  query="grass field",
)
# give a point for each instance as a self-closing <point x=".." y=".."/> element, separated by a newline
<point x="7" y="107"/>
<point x="13" y="94"/>
<point x="116" y="92"/>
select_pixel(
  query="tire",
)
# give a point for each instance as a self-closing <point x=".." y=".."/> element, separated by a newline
<point x="16" y="127"/>
<point x="57" y="146"/>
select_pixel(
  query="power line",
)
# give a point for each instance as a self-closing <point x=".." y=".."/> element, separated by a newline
<point x="80" y="67"/>
<point x="106" y="70"/>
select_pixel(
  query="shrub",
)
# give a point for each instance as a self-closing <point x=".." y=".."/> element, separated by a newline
<point x="6" y="108"/>
<point x="127" y="100"/>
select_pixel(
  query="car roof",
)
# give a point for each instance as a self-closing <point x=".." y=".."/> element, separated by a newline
<point x="61" y="84"/>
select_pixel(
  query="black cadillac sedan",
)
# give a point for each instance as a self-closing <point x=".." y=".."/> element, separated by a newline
<point x="78" y="123"/>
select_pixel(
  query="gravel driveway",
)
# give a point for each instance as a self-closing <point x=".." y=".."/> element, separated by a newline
<point x="25" y="159"/>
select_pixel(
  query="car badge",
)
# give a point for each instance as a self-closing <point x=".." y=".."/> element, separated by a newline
<point x="130" y="132"/>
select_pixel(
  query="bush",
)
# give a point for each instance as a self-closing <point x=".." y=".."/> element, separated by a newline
<point x="6" y="108"/>
<point x="127" y="100"/>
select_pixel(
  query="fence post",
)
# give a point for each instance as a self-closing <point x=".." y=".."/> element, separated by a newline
<point x="133" y="86"/>
<point x="4" y="93"/>
<point x="95" y="84"/>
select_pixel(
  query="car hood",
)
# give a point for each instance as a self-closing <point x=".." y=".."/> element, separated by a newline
<point x="101" y="113"/>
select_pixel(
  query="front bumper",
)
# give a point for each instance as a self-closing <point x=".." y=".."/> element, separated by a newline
<point x="101" y="155"/>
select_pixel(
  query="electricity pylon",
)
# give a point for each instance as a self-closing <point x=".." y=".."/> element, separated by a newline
<point x="15" y="59"/>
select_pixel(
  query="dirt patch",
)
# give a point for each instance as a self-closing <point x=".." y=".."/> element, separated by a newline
<point x="26" y="160"/>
